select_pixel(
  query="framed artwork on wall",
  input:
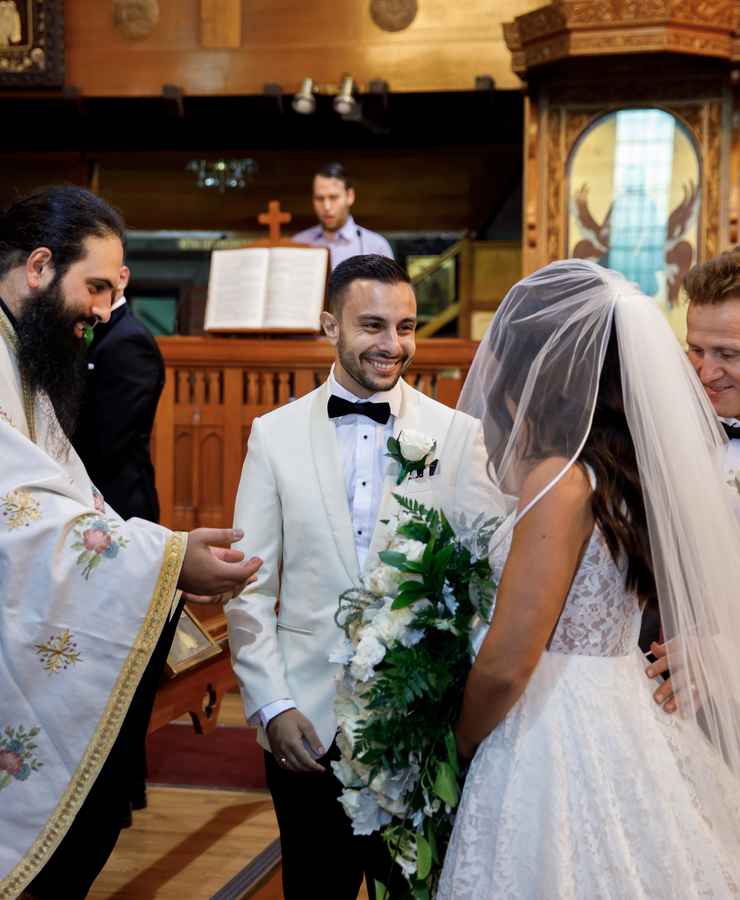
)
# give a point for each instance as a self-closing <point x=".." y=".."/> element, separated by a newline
<point x="31" y="43"/>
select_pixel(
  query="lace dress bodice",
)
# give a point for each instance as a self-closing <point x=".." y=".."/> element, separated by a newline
<point x="600" y="617"/>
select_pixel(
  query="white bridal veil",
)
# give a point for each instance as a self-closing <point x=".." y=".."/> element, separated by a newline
<point x="534" y="385"/>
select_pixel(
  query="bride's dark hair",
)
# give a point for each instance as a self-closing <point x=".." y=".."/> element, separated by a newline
<point x="617" y="503"/>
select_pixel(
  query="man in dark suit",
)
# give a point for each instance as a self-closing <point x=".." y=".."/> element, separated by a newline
<point x="125" y="380"/>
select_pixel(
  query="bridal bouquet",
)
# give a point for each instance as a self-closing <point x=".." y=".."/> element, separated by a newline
<point x="406" y="653"/>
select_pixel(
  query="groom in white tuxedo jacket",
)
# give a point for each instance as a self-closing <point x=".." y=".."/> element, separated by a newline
<point x="317" y="489"/>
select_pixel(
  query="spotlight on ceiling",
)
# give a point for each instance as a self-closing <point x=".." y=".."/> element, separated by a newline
<point x="304" y="101"/>
<point x="485" y="83"/>
<point x="344" y="103"/>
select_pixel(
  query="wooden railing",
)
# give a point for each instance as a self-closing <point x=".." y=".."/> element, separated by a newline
<point x="215" y="388"/>
<point x="484" y="272"/>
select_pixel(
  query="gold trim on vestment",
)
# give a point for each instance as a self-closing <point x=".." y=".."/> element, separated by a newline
<point x="109" y="725"/>
<point x="8" y="332"/>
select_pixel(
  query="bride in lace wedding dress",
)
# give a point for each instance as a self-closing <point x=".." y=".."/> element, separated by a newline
<point x="580" y="786"/>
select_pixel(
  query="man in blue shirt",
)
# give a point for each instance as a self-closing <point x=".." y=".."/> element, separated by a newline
<point x="333" y="196"/>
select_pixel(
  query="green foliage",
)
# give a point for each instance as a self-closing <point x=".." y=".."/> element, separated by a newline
<point x="423" y="857"/>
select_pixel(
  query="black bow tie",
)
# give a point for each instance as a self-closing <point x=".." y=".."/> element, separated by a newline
<point x="378" y="412"/>
<point x="732" y="431"/>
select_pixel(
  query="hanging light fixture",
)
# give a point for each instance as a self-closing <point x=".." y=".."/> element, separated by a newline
<point x="222" y="174"/>
<point x="304" y="101"/>
<point x="345" y="103"/>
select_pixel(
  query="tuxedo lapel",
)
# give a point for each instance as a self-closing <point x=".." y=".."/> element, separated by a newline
<point x="409" y="417"/>
<point x="328" y="465"/>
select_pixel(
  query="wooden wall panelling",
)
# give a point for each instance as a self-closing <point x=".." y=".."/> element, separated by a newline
<point x="220" y="24"/>
<point x="445" y="47"/>
<point x="449" y="188"/>
<point x="497" y="266"/>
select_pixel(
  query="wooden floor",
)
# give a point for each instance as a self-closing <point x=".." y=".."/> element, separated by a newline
<point x="190" y="842"/>
<point x="187" y="844"/>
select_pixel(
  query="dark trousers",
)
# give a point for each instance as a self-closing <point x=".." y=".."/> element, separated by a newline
<point x="84" y="850"/>
<point x="321" y="855"/>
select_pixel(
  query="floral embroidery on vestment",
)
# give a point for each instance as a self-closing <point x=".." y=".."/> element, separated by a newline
<point x="59" y="652"/>
<point x="17" y="759"/>
<point x="19" y="509"/>
<point x="96" y="540"/>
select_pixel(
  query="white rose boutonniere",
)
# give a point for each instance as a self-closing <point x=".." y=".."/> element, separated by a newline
<point x="412" y="450"/>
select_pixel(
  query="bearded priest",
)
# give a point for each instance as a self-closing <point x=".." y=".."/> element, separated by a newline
<point x="88" y="602"/>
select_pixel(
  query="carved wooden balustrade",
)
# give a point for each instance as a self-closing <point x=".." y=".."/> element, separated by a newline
<point x="216" y="387"/>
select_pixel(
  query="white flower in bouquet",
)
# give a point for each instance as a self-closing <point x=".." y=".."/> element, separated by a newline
<point x="370" y="651"/>
<point x="392" y="625"/>
<point x="345" y="774"/>
<point x="343" y="651"/>
<point x="393" y="789"/>
<point x="411" y="549"/>
<point x="383" y="580"/>
<point x="431" y="807"/>
<point x="415" y="446"/>
<point x="345" y="742"/>
<point x="349" y="703"/>
<point x="364" y="811"/>
<point x="448" y="595"/>
<point x="406" y="858"/>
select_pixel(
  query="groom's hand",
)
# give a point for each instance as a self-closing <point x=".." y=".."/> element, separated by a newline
<point x="291" y="735"/>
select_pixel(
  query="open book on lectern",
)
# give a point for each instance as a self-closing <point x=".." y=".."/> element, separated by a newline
<point x="266" y="289"/>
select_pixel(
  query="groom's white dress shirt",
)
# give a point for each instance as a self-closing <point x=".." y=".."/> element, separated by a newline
<point x="362" y="448"/>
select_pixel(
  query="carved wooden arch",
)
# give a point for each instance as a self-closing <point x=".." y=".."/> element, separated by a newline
<point x="678" y="56"/>
<point x="566" y="126"/>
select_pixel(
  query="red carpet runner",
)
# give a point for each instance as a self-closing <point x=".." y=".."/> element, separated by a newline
<point x="229" y="757"/>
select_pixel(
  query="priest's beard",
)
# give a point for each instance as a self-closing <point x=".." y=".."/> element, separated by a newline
<point x="51" y="358"/>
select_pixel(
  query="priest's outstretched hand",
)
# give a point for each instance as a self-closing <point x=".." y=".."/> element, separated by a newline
<point x="212" y="573"/>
